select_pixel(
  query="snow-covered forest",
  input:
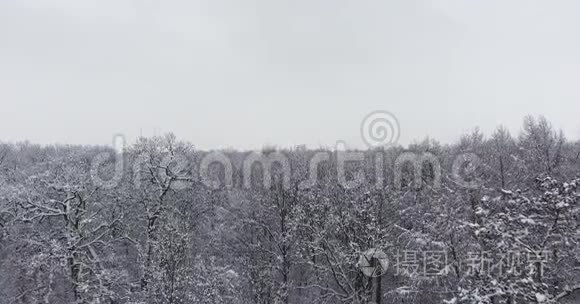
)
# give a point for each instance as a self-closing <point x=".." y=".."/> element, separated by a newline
<point x="491" y="218"/>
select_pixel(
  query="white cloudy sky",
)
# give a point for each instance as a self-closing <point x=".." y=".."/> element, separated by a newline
<point x="231" y="73"/>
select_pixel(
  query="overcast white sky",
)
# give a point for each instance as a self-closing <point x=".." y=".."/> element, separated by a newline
<point x="247" y="73"/>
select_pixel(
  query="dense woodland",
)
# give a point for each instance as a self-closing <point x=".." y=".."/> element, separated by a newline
<point x="144" y="227"/>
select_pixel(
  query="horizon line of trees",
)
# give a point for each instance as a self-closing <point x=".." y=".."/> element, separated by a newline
<point x="161" y="236"/>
